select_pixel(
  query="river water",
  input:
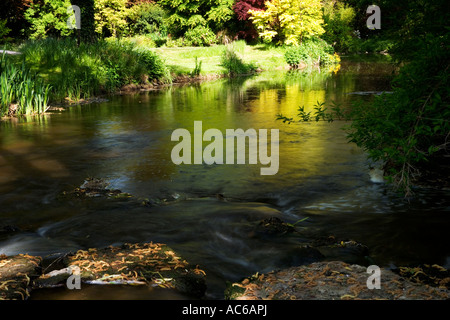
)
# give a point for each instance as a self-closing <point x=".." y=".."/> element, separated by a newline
<point x="127" y="141"/>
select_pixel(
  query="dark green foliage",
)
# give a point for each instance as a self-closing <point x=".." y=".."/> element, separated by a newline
<point x="149" y="18"/>
<point x="410" y="126"/>
<point x="338" y="18"/>
<point x="87" y="31"/>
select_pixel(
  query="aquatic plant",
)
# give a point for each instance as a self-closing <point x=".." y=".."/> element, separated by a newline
<point x="22" y="91"/>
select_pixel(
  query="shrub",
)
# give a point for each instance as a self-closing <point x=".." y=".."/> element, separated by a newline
<point x="339" y="19"/>
<point x="154" y="65"/>
<point x="199" y="36"/>
<point x="313" y="51"/>
<point x="148" y="18"/>
<point x="408" y="128"/>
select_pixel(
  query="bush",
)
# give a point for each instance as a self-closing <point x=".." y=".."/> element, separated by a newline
<point x="370" y="45"/>
<point x="408" y="128"/>
<point x="310" y="52"/>
<point x="199" y="36"/>
<point x="154" y="65"/>
<point x="339" y="19"/>
<point x="148" y="18"/>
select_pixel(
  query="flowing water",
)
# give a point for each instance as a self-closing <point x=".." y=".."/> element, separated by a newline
<point x="127" y="141"/>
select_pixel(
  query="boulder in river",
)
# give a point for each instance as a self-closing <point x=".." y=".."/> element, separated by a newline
<point x="334" y="280"/>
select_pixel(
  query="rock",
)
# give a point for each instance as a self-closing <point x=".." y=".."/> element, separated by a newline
<point x="152" y="264"/>
<point x="334" y="280"/>
<point x="16" y="275"/>
<point x="55" y="278"/>
<point x="348" y="251"/>
<point x="274" y="226"/>
<point x="433" y="275"/>
<point x="95" y="187"/>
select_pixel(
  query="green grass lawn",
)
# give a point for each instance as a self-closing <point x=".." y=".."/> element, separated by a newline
<point x="181" y="60"/>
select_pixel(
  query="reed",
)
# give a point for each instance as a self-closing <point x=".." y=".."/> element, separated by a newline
<point x="21" y="91"/>
<point x="79" y="72"/>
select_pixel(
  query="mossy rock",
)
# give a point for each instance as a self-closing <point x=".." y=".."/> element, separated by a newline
<point x="16" y="275"/>
<point x="153" y="264"/>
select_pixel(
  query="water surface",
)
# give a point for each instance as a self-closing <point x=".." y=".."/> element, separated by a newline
<point x="127" y="141"/>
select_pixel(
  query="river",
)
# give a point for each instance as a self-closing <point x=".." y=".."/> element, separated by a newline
<point x="127" y="141"/>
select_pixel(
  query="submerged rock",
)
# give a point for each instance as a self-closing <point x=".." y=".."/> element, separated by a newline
<point x="95" y="187"/>
<point x="333" y="280"/>
<point x="274" y="226"/>
<point x="16" y="275"/>
<point x="347" y="250"/>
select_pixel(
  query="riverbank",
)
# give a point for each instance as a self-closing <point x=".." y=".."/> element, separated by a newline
<point x="80" y="73"/>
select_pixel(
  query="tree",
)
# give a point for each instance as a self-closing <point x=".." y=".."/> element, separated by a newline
<point x="188" y="14"/>
<point x="110" y="16"/>
<point x="241" y="8"/>
<point x="339" y="18"/>
<point x="48" y="17"/>
<point x="289" y="21"/>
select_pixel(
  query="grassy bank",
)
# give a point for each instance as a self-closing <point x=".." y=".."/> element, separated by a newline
<point x="182" y="60"/>
<point x="76" y="72"/>
<point x="60" y="71"/>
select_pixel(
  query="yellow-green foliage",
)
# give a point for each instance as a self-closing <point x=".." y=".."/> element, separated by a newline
<point x="288" y="21"/>
<point x="111" y="15"/>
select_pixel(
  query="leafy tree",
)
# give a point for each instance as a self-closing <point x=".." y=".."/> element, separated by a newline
<point x="188" y="14"/>
<point x="241" y="8"/>
<point x="289" y="21"/>
<point x="110" y="16"/>
<point x="339" y="18"/>
<point x="48" y="18"/>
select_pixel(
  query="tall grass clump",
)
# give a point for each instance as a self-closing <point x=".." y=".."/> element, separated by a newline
<point x="21" y="90"/>
<point x="232" y="61"/>
<point x="79" y="72"/>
